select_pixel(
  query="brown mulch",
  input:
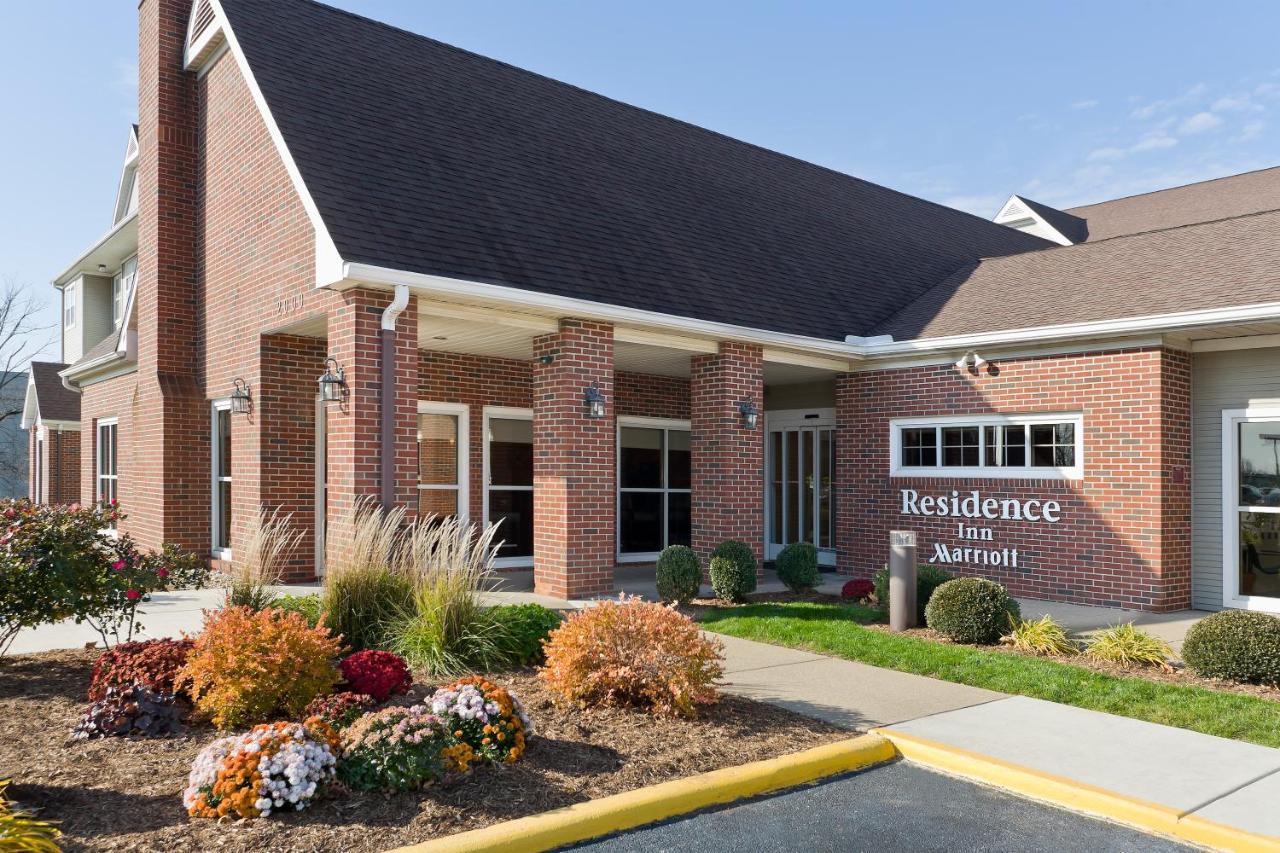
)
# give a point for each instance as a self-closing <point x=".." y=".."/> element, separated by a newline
<point x="122" y="794"/>
<point x="1180" y="674"/>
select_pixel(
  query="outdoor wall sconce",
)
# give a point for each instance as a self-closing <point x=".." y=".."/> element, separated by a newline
<point x="971" y="360"/>
<point x="750" y="414"/>
<point x="240" y="399"/>
<point x="594" y="400"/>
<point x="332" y="382"/>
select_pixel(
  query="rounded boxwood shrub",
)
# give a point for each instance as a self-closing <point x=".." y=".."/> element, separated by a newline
<point x="797" y="566"/>
<point x="1235" y="644"/>
<point x="678" y="574"/>
<point x="741" y="578"/>
<point x="521" y="630"/>
<point x="971" y="610"/>
<point x="928" y="578"/>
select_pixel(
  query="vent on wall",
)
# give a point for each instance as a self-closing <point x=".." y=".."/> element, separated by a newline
<point x="1013" y="209"/>
<point x="202" y="19"/>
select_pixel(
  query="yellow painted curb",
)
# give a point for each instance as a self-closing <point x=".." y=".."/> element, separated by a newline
<point x="606" y="815"/>
<point x="1077" y="796"/>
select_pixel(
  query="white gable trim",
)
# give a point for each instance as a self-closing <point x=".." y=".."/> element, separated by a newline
<point x="1017" y="214"/>
<point x="202" y="47"/>
<point x="30" y="405"/>
<point x="127" y="172"/>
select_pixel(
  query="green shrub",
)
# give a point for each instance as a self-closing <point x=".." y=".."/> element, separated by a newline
<point x="366" y="590"/>
<point x="522" y="628"/>
<point x="971" y="610"/>
<point x="1235" y="644"/>
<point x="678" y="574"/>
<point x="928" y="578"/>
<point x="1040" y="637"/>
<point x="1130" y="646"/>
<point x="797" y="566"/>
<point x="309" y="607"/>
<point x="734" y="564"/>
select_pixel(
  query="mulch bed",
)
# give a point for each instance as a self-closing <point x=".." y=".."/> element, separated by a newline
<point x="122" y="794"/>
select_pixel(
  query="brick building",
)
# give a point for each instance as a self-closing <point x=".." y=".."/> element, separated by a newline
<point x="609" y="331"/>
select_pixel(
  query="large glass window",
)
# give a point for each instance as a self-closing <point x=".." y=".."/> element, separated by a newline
<point x="509" y="458"/>
<point x="1032" y="445"/>
<point x="441" y="468"/>
<point x="654" y="476"/>
<point x="107" y="462"/>
<point x="1258" y="512"/>
<point x="221" y="444"/>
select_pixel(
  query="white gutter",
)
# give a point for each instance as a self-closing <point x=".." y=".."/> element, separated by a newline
<point x="77" y="371"/>
<point x="74" y="270"/>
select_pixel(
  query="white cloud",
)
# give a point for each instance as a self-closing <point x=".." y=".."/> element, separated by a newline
<point x="986" y="206"/>
<point x="1084" y="105"/>
<point x="1154" y="142"/>
<point x="1199" y="123"/>
<point x="1251" y="131"/>
<point x="1099" y="154"/>
<point x="1235" y="103"/>
<point x="1154" y="108"/>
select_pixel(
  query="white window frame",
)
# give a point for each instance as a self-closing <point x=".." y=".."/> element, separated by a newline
<point x="513" y="414"/>
<point x="219" y="552"/>
<point x="99" y="474"/>
<point x="666" y="425"/>
<point x="69" y="306"/>
<point x="39" y="479"/>
<point x="463" y="413"/>
<point x="788" y="420"/>
<point x="1231" y="508"/>
<point x="982" y="470"/>
<point x="121" y="286"/>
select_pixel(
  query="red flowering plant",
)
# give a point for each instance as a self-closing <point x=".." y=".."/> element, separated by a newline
<point x="857" y="589"/>
<point x="376" y="673"/>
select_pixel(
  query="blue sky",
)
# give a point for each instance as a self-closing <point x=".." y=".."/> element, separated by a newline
<point x="961" y="103"/>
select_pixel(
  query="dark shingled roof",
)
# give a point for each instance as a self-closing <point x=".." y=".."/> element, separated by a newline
<point x="427" y="158"/>
<point x="1229" y="262"/>
<point x="55" y="401"/>
<point x="1073" y="228"/>
<point x="1220" y="198"/>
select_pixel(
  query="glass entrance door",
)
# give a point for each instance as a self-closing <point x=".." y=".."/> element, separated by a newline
<point x="1251" y="560"/>
<point x="800" y="487"/>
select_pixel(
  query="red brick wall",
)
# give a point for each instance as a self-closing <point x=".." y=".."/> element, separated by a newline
<point x="60" y="464"/>
<point x="114" y="398"/>
<point x="728" y="459"/>
<point x="647" y="396"/>
<point x="573" y="463"/>
<point x="1113" y="545"/>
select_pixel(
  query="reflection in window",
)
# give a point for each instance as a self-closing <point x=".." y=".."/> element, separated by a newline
<point x="654" y="470"/>
<point x="439" y="468"/>
<point x="510" y="458"/>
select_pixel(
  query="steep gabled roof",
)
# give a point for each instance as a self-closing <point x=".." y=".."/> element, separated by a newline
<point x="47" y="398"/>
<point x="1228" y="263"/>
<point x="1072" y="227"/>
<point x="427" y="158"/>
<point x="1220" y="198"/>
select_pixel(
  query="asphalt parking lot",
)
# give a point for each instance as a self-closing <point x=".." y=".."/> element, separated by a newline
<point x="899" y="806"/>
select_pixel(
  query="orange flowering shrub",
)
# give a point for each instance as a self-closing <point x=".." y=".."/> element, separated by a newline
<point x="632" y="652"/>
<point x="246" y="667"/>
<point x="484" y="716"/>
<point x="272" y="767"/>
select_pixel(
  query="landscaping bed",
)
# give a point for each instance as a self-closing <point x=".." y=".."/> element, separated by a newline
<point x="126" y="794"/>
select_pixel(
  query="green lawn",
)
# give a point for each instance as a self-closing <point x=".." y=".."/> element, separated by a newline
<point x="837" y="630"/>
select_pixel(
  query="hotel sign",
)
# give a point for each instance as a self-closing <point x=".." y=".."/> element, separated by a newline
<point x="973" y="507"/>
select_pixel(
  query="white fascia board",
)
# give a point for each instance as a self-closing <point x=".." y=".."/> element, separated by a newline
<point x="80" y="373"/>
<point x="30" y="405"/>
<point x="328" y="263"/>
<point x="117" y="246"/>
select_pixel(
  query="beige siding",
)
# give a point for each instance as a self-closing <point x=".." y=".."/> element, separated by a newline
<point x="1235" y="379"/>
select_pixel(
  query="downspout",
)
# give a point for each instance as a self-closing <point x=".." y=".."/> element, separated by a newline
<point x="387" y="408"/>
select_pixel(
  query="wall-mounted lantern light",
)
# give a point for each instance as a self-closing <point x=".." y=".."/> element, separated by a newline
<point x="594" y="400"/>
<point x="750" y="414"/>
<point x="240" y="400"/>
<point x="332" y="382"/>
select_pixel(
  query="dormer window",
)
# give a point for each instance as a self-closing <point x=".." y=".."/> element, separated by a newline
<point x="121" y="287"/>
<point x="69" y="306"/>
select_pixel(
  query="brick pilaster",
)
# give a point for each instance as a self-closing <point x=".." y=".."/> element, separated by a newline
<point x="573" y="468"/>
<point x="728" y="458"/>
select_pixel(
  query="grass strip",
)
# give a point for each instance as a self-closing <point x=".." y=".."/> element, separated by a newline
<point x="837" y="630"/>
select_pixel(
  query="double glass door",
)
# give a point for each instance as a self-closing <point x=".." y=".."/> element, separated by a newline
<point x="801" y="477"/>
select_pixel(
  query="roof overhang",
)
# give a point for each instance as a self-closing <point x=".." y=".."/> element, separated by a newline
<point x="109" y="252"/>
<point x="30" y="405"/>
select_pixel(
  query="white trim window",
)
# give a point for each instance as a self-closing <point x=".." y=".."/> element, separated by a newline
<point x="69" y="306"/>
<point x="121" y="287"/>
<point x="654" y="496"/>
<point x="107" y="463"/>
<point x="443" y="460"/>
<point x="38" y="489"/>
<point x="220" y="479"/>
<point x="508" y="482"/>
<point x="1049" y="446"/>
<point x="1251" y="508"/>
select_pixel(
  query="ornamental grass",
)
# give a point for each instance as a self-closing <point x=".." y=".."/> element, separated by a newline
<point x="261" y="560"/>
<point x="1129" y="646"/>
<point x="1041" y="636"/>
<point x="366" y="587"/>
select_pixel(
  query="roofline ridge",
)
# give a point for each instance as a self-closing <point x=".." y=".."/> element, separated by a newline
<point x="1170" y="189"/>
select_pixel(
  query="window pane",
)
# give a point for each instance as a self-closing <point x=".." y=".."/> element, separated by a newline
<point x="826" y="466"/>
<point x="679" y="459"/>
<point x="224" y="442"/>
<point x="640" y="522"/>
<point x="437" y="449"/>
<point x="919" y="447"/>
<point x="959" y="446"/>
<point x="1260" y="463"/>
<point x="513" y="513"/>
<point x="510" y="452"/>
<point x="441" y="502"/>
<point x="678" y="519"/>
<point x="1260" y="553"/>
<point x="1053" y="445"/>
<point x="806" y="485"/>
<point x="641" y="458"/>
<point x="224" y="514"/>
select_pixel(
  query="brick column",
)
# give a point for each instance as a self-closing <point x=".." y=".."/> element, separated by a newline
<point x="728" y="459"/>
<point x="849" y="458"/>
<point x="354" y="437"/>
<point x="1174" y="592"/>
<point x="574" y="497"/>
